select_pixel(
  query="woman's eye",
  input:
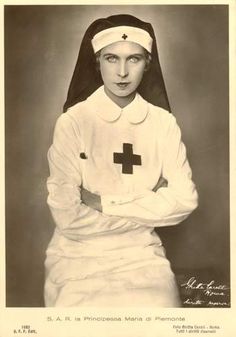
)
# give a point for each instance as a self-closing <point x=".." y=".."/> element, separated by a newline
<point x="134" y="59"/>
<point x="111" y="59"/>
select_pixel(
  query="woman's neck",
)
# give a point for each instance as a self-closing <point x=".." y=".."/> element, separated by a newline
<point x="122" y="102"/>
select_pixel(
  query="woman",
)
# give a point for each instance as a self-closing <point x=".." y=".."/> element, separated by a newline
<point x="111" y="151"/>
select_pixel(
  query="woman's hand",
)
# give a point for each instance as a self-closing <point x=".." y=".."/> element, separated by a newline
<point x="91" y="199"/>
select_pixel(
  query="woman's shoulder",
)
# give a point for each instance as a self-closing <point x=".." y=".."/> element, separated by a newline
<point x="78" y="109"/>
<point x="161" y="115"/>
<point x="72" y="117"/>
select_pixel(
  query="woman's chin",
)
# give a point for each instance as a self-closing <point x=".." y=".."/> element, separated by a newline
<point x="120" y="95"/>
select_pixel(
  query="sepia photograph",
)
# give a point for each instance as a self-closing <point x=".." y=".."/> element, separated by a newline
<point x="117" y="158"/>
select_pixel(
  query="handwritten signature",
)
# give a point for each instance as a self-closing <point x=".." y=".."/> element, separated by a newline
<point x="210" y="287"/>
<point x="213" y="294"/>
<point x="193" y="302"/>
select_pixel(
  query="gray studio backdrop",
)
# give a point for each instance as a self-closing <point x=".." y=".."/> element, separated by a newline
<point x="41" y="47"/>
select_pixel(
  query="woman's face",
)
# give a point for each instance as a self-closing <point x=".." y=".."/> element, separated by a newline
<point x="122" y="65"/>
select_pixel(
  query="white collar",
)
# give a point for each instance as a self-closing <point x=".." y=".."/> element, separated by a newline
<point x="135" y="112"/>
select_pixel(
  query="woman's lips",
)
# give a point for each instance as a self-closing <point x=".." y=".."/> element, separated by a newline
<point x="122" y="85"/>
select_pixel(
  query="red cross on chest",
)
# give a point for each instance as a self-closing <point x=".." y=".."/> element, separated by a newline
<point x="127" y="158"/>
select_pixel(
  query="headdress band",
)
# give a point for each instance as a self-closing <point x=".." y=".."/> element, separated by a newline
<point x="122" y="33"/>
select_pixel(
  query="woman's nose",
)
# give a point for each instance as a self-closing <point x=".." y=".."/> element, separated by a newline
<point x="123" y="69"/>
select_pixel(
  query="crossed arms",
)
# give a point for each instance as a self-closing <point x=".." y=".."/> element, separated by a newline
<point x="77" y="211"/>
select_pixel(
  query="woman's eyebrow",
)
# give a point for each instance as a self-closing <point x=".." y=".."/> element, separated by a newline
<point x="110" y="54"/>
<point x="136" y="55"/>
<point x="128" y="56"/>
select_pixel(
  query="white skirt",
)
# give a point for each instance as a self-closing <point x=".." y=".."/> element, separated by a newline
<point x="117" y="270"/>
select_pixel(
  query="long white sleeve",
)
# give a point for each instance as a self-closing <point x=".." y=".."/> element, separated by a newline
<point x="169" y="205"/>
<point x="73" y="218"/>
